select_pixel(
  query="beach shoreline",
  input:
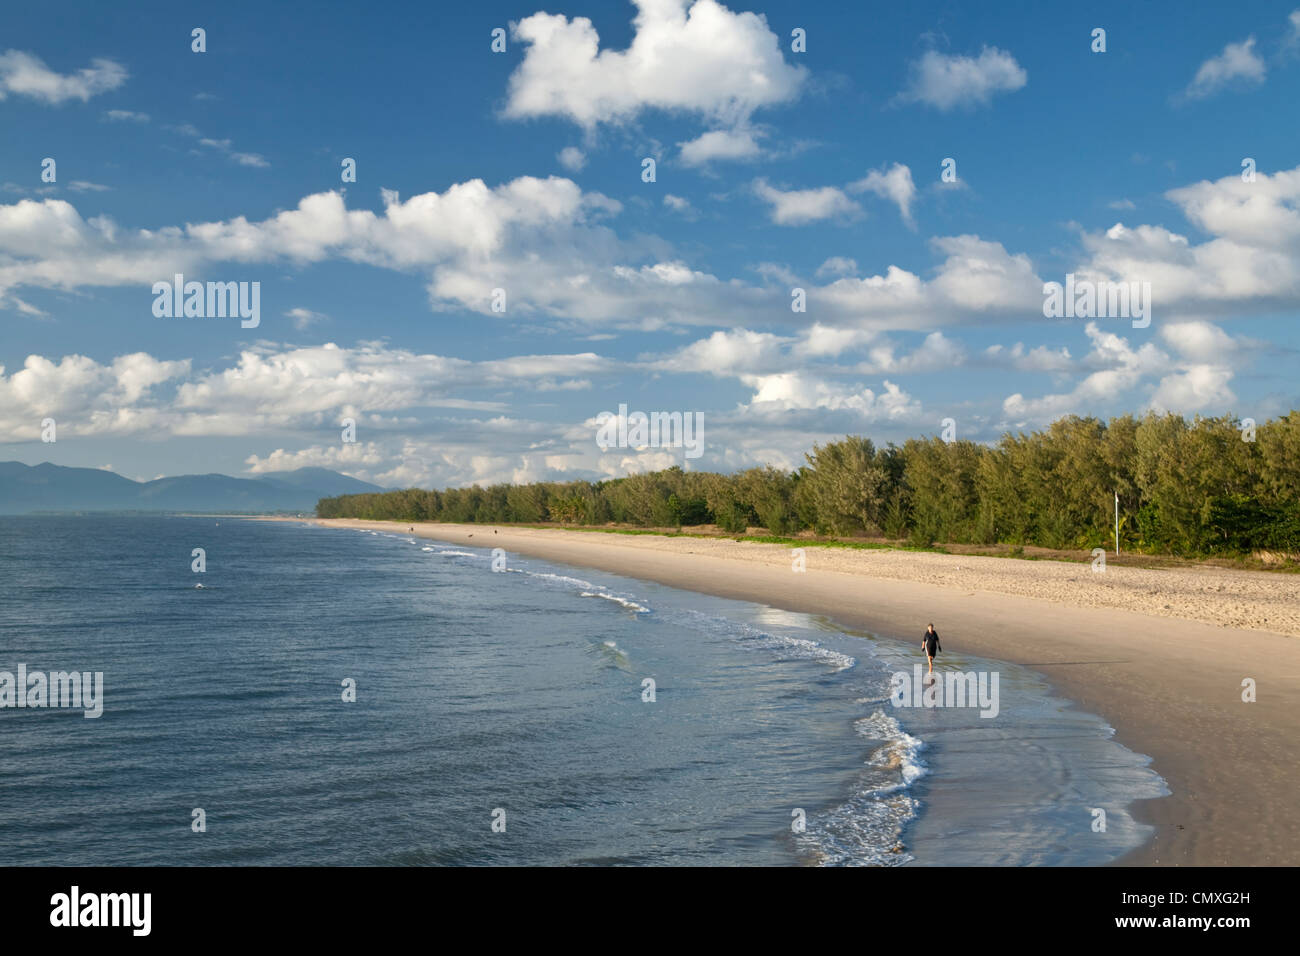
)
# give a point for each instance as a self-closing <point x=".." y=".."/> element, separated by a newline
<point x="1170" y="686"/>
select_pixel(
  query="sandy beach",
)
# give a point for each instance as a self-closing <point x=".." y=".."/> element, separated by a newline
<point x="1160" y="654"/>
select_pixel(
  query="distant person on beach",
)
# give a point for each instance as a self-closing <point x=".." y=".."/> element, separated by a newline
<point x="930" y="641"/>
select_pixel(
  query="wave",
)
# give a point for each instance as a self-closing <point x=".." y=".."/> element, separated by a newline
<point x="557" y="577"/>
<point x="630" y="605"/>
<point x="788" y="646"/>
<point x="865" y="829"/>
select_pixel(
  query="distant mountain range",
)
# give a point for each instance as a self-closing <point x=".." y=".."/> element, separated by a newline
<point x="46" y="487"/>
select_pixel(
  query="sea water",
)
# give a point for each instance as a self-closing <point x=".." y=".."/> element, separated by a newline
<point x="347" y="697"/>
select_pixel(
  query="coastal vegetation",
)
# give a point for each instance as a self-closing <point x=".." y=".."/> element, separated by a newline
<point x="1208" y="486"/>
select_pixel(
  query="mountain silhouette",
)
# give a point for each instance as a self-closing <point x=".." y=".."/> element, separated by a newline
<point x="38" y="488"/>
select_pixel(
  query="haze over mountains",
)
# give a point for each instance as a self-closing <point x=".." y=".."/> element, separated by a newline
<point x="46" y="487"/>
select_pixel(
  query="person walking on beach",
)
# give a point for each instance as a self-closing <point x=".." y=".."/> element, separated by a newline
<point x="930" y="641"/>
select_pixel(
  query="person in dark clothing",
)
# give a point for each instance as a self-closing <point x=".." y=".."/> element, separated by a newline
<point x="930" y="641"/>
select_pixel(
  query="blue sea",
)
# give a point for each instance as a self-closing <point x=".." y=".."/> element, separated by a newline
<point x="507" y="711"/>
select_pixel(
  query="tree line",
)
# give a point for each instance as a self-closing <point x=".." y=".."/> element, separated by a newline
<point x="1192" y="488"/>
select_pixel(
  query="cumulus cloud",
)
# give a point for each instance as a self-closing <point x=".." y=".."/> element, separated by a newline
<point x="1195" y="389"/>
<point x="84" y="396"/>
<point x="791" y="391"/>
<point x="267" y="389"/>
<point x="698" y="58"/>
<point x="949" y="81"/>
<point x="737" y="144"/>
<point x="1237" y="64"/>
<point x="25" y="74"/>
<point x="679" y="204"/>
<point x="798" y="207"/>
<point x="726" y="353"/>
<point x="1120" y="367"/>
<point x="820" y="340"/>
<point x="48" y="244"/>
<point x="837" y="266"/>
<point x="552" y="245"/>
<point x="978" y="277"/>
<point x="1251" y="262"/>
<point x="572" y="158"/>
<point x="1194" y="378"/>
<point x="1040" y="358"/>
<point x="936" y="354"/>
<point x="894" y="184"/>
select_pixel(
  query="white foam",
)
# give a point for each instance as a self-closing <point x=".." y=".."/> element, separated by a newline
<point x="560" y="577"/>
<point x="630" y="605"/>
<point x="901" y="748"/>
<point x="864" y="830"/>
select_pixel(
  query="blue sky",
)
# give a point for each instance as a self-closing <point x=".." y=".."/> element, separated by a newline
<point x="522" y="170"/>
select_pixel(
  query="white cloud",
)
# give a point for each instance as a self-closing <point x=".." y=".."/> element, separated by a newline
<point x="84" y="396"/>
<point x="251" y="159"/>
<point x="819" y="340"/>
<point x="48" y="244"/>
<point x="948" y="81"/>
<point x="1260" y="213"/>
<point x="126" y="116"/>
<point x="1119" y="369"/>
<point x="1238" y="63"/>
<point x="937" y="353"/>
<point x="268" y="390"/>
<point x="735" y="144"/>
<point x="1251" y="261"/>
<point x="256" y="160"/>
<point x="837" y="266"/>
<point x="26" y="74"/>
<point x="302" y="318"/>
<point x="726" y="353"/>
<point x="977" y="278"/>
<point x="1197" y="388"/>
<point x="572" y="158"/>
<point x="678" y="203"/>
<point x="1038" y="359"/>
<point x="550" y="239"/>
<point x="705" y="60"/>
<point x="1195" y="379"/>
<point x="798" y="207"/>
<point x="792" y="391"/>
<point x="894" y="184"/>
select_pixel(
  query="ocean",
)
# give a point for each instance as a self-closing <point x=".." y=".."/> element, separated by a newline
<point x="344" y="697"/>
